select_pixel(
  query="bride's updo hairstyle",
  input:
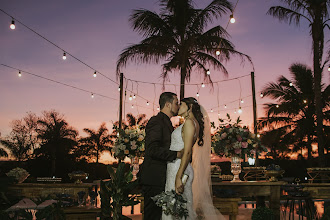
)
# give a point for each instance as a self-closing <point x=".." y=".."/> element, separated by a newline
<point x="196" y="110"/>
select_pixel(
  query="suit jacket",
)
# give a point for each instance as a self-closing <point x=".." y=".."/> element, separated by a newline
<point x="157" y="153"/>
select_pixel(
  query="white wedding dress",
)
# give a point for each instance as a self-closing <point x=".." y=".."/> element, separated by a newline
<point x="177" y="144"/>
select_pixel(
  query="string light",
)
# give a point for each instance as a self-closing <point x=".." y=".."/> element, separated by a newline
<point x="232" y="19"/>
<point x="277" y="106"/>
<point x="218" y="114"/>
<point x="305" y="101"/>
<point x="157" y="108"/>
<point x="203" y="85"/>
<point x="235" y="111"/>
<point x="208" y="72"/>
<point x="12" y="25"/>
<point x="119" y="88"/>
<point x="217" y="52"/>
<point x="329" y="68"/>
<point x="225" y="106"/>
<point x="130" y="98"/>
<point x="240" y="110"/>
<point x="19" y="74"/>
<point x="211" y="110"/>
<point x="64" y="56"/>
<point x="95" y="74"/>
<point x="261" y="95"/>
<point x="92" y="95"/>
<point x="147" y="103"/>
<point x="134" y="97"/>
<point x="132" y="106"/>
<point x="242" y="101"/>
<point x="197" y="94"/>
<point x="290" y="84"/>
<point x="258" y="135"/>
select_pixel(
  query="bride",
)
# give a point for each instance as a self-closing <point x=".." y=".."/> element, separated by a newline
<point x="194" y="136"/>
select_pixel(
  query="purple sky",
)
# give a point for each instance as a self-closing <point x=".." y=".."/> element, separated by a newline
<point x="97" y="31"/>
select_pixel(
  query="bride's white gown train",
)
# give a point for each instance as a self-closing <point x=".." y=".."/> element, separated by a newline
<point x="177" y="144"/>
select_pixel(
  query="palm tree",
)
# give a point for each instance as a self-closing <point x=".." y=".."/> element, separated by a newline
<point x="97" y="141"/>
<point x="315" y="12"/>
<point x="18" y="147"/>
<point x="177" y="35"/>
<point x="293" y="115"/>
<point x="3" y="153"/>
<point x="57" y="137"/>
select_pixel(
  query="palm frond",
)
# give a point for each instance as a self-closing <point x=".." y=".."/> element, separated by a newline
<point x="287" y="15"/>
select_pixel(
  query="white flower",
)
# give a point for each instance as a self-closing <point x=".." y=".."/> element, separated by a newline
<point x="133" y="145"/>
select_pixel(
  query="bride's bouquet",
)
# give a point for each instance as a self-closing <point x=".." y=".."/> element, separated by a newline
<point x="172" y="203"/>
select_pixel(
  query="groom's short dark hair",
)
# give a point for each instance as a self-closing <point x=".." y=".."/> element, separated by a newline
<point x="166" y="97"/>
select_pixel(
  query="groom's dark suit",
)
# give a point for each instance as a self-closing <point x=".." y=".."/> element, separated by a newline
<point x="153" y="170"/>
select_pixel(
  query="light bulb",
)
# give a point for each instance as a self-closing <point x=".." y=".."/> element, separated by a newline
<point x="235" y="111"/>
<point x="329" y="68"/>
<point x="211" y="110"/>
<point x="232" y="19"/>
<point x="197" y="94"/>
<point x="134" y="97"/>
<point x="157" y="108"/>
<point x="242" y="101"/>
<point x="203" y="85"/>
<point x="290" y="84"/>
<point x="277" y="106"/>
<point x="305" y="101"/>
<point x="92" y="95"/>
<point x="130" y="98"/>
<point x="240" y="110"/>
<point x="12" y="25"/>
<point x="208" y="72"/>
<point x="94" y="74"/>
<point x="118" y="88"/>
<point x="147" y="103"/>
<point x="132" y="106"/>
<point x="217" y="52"/>
<point x="64" y="56"/>
<point x="19" y="74"/>
<point x="258" y="135"/>
<point x="225" y="106"/>
<point x="261" y="95"/>
<point x="218" y="114"/>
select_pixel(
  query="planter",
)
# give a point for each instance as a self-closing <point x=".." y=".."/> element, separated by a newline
<point x="135" y="165"/>
<point x="236" y="168"/>
<point x="78" y="177"/>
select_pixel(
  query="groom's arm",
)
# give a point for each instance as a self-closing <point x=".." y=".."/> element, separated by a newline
<point x="154" y="148"/>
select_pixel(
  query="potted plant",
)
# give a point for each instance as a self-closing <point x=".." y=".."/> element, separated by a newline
<point x="117" y="192"/>
<point x="273" y="171"/>
<point x="234" y="141"/>
<point x="18" y="174"/>
<point x="262" y="213"/>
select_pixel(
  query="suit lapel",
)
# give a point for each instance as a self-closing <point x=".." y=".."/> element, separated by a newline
<point x="167" y="122"/>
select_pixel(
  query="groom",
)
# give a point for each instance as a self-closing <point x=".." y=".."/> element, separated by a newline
<point x="157" y="153"/>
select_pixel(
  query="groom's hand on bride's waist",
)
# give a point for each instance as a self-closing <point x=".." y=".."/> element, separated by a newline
<point x="179" y="154"/>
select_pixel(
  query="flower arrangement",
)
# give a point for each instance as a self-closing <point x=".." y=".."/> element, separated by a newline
<point x="172" y="204"/>
<point x="19" y="174"/>
<point x="231" y="139"/>
<point x="129" y="142"/>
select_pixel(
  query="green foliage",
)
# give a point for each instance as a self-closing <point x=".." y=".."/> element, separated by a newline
<point x="52" y="212"/>
<point x="115" y="193"/>
<point x="262" y="213"/>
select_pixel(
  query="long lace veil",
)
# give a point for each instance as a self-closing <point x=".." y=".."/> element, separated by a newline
<point x="201" y="187"/>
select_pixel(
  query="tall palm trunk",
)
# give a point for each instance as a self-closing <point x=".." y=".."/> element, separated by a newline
<point x="309" y="147"/>
<point x="97" y="155"/>
<point x="182" y="81"/>
<point x="318" y="39"/>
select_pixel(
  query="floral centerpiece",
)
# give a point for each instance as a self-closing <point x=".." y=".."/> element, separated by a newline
<point x="19" y="174"/>
<point x="233" y="140"/>
<point x="129" y="142"/>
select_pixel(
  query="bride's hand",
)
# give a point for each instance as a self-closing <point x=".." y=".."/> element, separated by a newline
<point x="179" y="188"/>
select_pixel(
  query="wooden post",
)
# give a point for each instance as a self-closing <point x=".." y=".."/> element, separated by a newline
<point x="255" y="130"/>
<point x="121" y="86"/>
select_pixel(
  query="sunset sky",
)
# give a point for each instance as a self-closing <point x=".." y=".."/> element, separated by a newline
<point x="97" y="31"/>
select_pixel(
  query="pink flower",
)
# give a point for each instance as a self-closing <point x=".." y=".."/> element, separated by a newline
<point x="223" y="135"/>
<point x="227" y="126"/>
<point x="239" y="138"/>
<point x="244" y="144"/>
<point x="238" y="151"/>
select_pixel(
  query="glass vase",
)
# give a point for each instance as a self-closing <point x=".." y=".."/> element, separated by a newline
<point x="236" y="168"/>
<point x="135" y="165"/>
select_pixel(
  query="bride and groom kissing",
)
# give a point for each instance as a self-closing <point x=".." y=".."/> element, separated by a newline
<point x="170" y="154"/>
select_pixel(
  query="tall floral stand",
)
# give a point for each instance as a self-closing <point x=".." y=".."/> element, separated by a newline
<point x="135" y="165"/>
<point x="236" y="168"/>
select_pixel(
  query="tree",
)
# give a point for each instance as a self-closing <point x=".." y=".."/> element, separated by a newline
<point x="177" y="35"/>
<point x="293" y="114"/>
<point x="56" y="136"/>
<point x="315" y="12"/>
<point x="22" y="139"/>
<point x="96" y="142"/>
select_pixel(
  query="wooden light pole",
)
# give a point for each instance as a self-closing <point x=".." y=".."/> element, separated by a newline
<point x="121" y="87"/>
<point x="255" y="130"/>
